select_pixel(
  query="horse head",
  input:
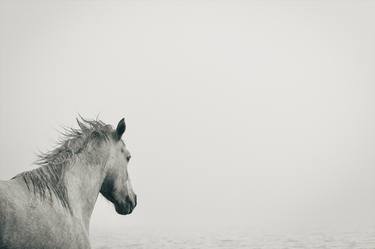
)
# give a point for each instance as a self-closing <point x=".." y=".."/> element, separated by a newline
<point x="116" y="186"/>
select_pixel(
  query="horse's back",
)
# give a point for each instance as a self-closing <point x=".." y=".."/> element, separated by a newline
<point x="26" y="222"/>
<point x="6" y="208"/>
<point x="12" y="212"/>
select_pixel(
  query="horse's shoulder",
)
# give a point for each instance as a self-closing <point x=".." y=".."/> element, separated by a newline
<point x="20" y="215"/>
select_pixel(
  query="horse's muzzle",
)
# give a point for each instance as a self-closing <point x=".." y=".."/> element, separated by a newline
<point x="126" y="207"/>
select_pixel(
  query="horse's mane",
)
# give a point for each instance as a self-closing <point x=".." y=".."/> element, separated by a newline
<point x="48" y="179"/>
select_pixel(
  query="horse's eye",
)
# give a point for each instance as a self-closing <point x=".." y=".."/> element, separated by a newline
<point x="128" y="158"/>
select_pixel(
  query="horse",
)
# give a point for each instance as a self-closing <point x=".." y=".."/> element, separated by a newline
<point x="50" y="207"/>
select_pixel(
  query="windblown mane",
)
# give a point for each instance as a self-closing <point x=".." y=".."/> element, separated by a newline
<point x="48" y="180"/>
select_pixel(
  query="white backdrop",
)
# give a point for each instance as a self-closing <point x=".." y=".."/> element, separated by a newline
<point x="239" y="113"/>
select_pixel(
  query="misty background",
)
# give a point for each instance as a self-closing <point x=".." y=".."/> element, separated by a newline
<point x="255" y="114"/>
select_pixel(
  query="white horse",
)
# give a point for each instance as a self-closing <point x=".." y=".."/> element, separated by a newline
<point x="50" y="206"/>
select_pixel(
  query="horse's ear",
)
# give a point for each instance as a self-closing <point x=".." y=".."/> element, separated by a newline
<point x="120" y="129"/>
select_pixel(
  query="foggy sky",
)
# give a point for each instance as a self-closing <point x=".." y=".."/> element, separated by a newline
<point x="239" y="113"/>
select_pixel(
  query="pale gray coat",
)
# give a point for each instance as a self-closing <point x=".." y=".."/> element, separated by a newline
<point x="50" y="207"/>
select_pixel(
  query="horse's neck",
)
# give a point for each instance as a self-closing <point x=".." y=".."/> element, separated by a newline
<point x="83" y="184"/>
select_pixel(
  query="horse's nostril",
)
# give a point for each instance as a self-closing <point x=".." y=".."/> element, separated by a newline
<point x="135" y="200"/>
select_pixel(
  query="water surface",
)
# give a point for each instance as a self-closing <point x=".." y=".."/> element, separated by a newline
<point x="229" y="239"/>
